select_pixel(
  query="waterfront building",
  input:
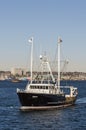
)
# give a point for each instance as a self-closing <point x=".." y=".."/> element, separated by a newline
<point x="18" y="71"/>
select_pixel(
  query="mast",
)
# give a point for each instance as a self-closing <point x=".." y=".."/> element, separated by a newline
<point x="59" y="42"/>
<point x="31" y="41"/>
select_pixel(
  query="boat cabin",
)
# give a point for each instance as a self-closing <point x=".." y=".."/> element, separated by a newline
<point x="41" y="88"/>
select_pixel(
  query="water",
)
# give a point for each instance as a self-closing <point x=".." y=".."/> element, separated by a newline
<point x="11" y="118"/>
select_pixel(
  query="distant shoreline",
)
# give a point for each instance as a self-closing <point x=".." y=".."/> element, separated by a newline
<point x="76" y="76"/>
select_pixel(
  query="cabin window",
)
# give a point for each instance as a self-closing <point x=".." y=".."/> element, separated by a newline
<point x="31" y="87"/>
<point x="46" y="87"/>
<point x="40" y="87"/>
<point x="43" y="87"/>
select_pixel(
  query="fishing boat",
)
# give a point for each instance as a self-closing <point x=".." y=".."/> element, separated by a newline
<point x="44" y="92"/>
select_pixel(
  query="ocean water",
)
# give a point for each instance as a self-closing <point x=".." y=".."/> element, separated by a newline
<point x="70" y="118"/>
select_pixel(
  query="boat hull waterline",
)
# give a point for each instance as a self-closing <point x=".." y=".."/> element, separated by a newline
<point x="42" y="108"/>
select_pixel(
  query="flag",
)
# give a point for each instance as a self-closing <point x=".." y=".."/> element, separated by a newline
<point x="59" y="40"/>
<point x="30" y="40"/>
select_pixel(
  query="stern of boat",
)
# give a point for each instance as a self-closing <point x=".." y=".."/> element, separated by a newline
<point x="71" y="98"/>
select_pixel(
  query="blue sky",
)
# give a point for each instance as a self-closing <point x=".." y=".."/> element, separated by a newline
<point x="45" y="20"/>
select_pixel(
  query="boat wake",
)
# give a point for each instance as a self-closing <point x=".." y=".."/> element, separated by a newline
<point x="81" y="100"/>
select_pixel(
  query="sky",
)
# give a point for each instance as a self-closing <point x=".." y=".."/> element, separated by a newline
<point x="45" y="20"/>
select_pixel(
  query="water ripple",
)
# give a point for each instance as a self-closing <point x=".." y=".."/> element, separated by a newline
<point x="11" y="118"/>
